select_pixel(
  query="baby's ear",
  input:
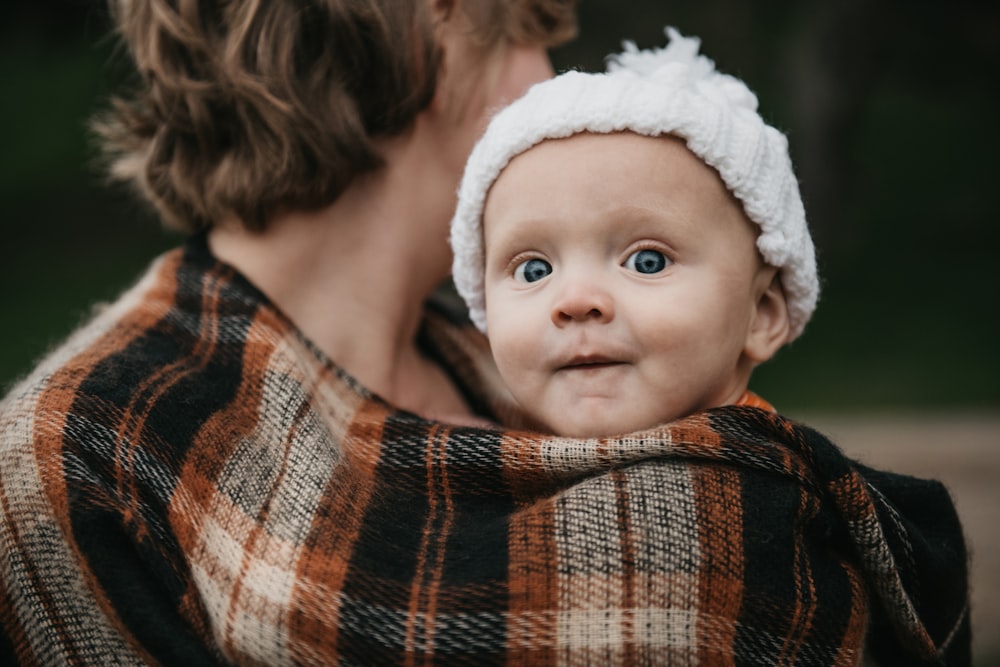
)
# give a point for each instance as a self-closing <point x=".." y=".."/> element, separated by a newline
<point x="769" y="328"/>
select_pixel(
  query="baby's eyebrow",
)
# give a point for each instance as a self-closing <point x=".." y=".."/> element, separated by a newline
<point x="501" y="255"/>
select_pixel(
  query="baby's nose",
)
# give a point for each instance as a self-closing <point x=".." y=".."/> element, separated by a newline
<point x="582" y="300"/>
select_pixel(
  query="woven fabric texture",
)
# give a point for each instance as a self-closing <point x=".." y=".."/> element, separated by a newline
<point x="188" y="481"/>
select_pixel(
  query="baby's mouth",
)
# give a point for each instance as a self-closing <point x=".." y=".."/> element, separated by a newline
<point x="589" y="362"/>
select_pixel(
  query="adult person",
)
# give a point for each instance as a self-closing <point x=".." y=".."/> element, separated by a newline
<point x="256" y="455"/>
<point x="169" y="475"/>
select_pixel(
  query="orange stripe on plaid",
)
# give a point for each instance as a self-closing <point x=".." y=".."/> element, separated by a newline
<point x="752" y="400"/>
<point x="213" y="446"/>
<point x="626" y="535"/>
<point x="532" y="584"/>
<point x="720" y="588"/>
<point x="431" y="554"/>
<point x="849" y="652"/>
<point x="805" y="603"/>
<point x="153" y="388"/>
<point x="62" y="392"/>
<point x="326" y="563"/>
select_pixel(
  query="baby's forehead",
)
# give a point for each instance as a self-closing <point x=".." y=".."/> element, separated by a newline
<point x="611" y="169"/>
<point x="657" y="153"/>
<point x="621" y="183"/>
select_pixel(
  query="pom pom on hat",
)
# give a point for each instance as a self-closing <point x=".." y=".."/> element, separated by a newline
<point x="667" y="91"/>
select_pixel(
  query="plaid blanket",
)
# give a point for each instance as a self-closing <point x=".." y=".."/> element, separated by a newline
<point x="188" y="481"/>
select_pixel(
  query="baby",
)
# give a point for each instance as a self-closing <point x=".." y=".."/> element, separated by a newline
<point x="634" y="243"/>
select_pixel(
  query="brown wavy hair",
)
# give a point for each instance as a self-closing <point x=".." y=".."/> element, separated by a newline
<point x="252" y="107"/>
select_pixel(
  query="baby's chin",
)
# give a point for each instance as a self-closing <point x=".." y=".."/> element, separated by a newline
<point x="608" y="419"/>
<point x="590" y="427"/>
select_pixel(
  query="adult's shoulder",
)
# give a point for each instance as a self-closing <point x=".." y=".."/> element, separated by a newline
<point x="141" y="361"/>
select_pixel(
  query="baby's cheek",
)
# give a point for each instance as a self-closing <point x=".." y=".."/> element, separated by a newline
<point x="511" y="346"/>
<point x="515" y="370"/>
<point x="521" y="373"/>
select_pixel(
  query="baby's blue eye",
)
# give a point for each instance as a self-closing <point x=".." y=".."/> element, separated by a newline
<point x="647" y="261"/>
<point x="531" y="270"/>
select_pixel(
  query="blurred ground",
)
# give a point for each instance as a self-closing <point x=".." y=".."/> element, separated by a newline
<point x="963" y="451"/>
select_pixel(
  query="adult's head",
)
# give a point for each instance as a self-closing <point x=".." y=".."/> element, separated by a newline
<point x="244" y="110"/>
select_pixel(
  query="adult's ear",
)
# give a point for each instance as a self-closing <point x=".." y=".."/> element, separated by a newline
<point x="441" y="10"/>
<point x="769" y="327"/>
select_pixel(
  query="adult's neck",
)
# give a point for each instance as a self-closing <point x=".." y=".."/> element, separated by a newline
<point x="354" y="276"/>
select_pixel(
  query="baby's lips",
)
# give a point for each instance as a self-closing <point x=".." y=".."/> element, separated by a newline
<point x="592" y="360"/>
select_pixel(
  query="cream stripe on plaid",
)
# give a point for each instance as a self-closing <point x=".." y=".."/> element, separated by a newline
<point x="247" y="562"/>
<point x="592" y="586"/>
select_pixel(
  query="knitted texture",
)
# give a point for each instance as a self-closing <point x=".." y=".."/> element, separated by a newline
<point x="188" y="481"/>
<point x="654" y="92"/>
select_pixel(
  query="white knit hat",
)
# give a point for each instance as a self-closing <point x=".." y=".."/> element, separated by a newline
<point x="672" y="90"/>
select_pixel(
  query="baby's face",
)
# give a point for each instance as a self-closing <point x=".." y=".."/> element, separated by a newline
<point x="622" y="283"/>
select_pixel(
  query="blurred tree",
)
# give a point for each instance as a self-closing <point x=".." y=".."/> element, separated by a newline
<point x="889" y="106"/>
<point x="889" y="109"/>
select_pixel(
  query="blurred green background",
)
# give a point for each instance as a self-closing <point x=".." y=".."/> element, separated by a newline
<point x="891" y="109"/>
